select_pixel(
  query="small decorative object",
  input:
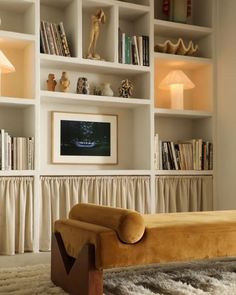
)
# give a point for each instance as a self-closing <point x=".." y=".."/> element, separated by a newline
<point x="176" y="81"/>
<point x="97" y="90"/>
<point x="64" y="82"/>
<point x="177" y="10"/>
<point x="107" y="91"/>
<point x="82" y="86"/>
<point x="126" y="88"/>
<point x="84" y="138"/>
<point x="177" y="48"/>
<point x="51" y="82"/>
<point x="97" y="19"/>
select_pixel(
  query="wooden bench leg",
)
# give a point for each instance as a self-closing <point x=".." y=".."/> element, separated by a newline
<point x="76" y="276"/>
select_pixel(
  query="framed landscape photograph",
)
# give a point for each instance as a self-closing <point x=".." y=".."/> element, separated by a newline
<point x="79" y="138"/>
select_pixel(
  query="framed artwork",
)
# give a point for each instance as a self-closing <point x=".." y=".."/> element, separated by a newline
<point x="79" y="138"/>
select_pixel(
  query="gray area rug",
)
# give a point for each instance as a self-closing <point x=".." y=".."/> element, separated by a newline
<point x="215" y="277"/>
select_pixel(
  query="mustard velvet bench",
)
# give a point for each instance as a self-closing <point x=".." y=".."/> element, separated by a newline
<point x="98" y="237"/>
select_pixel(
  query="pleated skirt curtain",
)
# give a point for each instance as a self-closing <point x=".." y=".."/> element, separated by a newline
<point x="183" y="193"/>
<point x="16" y="215"/>
<point x="59" y="194"/>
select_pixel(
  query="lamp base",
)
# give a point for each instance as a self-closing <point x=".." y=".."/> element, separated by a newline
<point x="177" y="96"/>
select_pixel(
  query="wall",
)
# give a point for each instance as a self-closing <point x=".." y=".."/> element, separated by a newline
<point x="226" y="106"/>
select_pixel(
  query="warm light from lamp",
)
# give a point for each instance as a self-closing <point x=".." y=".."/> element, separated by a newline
<point x="5" y="66"/>
<point x="176" y="81"/>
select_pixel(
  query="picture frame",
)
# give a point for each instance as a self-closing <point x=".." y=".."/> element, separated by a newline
<point x="80" y="138"/>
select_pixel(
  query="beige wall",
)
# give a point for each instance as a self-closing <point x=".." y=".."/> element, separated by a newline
<point x="226" y="106"/>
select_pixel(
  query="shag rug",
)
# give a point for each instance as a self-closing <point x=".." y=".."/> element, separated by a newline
<point x="197" y="278"/>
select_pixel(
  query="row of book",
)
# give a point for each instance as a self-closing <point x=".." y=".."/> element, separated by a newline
<point x="16" y="153"/>
<point x="194" y="154"/>
<point x="133" y="49"/>
<point x="53" y="39"/>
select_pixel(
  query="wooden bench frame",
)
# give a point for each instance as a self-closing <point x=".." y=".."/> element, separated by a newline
<point x="76" y="276"/>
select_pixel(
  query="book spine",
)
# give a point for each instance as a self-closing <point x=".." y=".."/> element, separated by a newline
<point x="167" y="157"/>
<point x="140" y="49"/>
<point x="6" y="150"/>
<point x="42" y="40"/>
<point x="136" y="50"/>
<point x="9" y="145"/>
<point x="170" y="156"/>
<point x="210" y="156"/>
<point x="46" y="42"/>
<point x="160" y="156"/>
<point x="14" y="154"/>
<point x="54" y="39"/>
<point x="58" y="39"/>
<point x="156" y="152"/>
<point x="65" y="45"/>
<point x="174" y="156"/>
<point x="144" y="50"/>
<point x="147" y="52"/>
<point x="120" y="45"/>
<point x="2" y="149"/>
<point x="50" y="39"/>
<point x="127" y="50"/>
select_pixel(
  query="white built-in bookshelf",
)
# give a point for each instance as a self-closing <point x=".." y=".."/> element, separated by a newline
<point x="26" y="104"/>
<point x="197" y="118"/>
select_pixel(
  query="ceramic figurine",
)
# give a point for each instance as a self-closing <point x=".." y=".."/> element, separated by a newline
<point x="64" y="82"/>
<point x="82" y="86"/>
<point x="107" y="91"/>
<point x="97" y="19"/>
<point x="97" y="90"/>
<point x="126" y="88"/>
<point x="51" y="82"/>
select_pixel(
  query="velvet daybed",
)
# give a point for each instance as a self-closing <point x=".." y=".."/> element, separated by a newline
<point x="98" y="237"/>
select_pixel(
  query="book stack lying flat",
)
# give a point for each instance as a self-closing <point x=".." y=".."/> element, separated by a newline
<point x="133" y="49"/>
<point x="53" y="39"/>
<point x="194" y="154"/>
<point x="16" y="153"/>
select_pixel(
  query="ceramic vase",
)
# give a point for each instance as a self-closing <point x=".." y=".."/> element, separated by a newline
<point x="107" y="91"/>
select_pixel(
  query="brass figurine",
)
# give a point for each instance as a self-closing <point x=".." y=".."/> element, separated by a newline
<point x="97" y="19"/>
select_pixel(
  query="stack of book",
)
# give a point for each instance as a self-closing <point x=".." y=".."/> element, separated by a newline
<point x="16" y="153"/>
<point x="194" y="154"/>
<point x="53" y="39"/>
<point x="134" y="49"/>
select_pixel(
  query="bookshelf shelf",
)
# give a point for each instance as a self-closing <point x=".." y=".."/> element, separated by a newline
<point x="19" y="173"/>
<point x="177" y="30"/>
<point x="182" y="172"/>
<point x="71" y="98"/>
<point x="67" y="63"/>
<point x="16" y="102"/>
<point x="16" y="40"/>
<point x="99" y="172"/>
<point x="185" y="62"/>
<point x="136" y="8"/>
<point x="189" y="114"/>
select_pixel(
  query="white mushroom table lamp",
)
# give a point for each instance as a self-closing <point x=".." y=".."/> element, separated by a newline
<point x="5" y="67"/>
<point x="177" y="82"/>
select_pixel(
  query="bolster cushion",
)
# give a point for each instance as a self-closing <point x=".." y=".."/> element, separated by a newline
<point x="128" y="224"/>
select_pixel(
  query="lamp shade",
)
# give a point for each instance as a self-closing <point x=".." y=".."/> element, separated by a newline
<point x="5" y="64"/>
<point x="176" y="77"/>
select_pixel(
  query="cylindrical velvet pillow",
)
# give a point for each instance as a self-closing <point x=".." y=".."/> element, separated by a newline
<point x="128" y="224"/>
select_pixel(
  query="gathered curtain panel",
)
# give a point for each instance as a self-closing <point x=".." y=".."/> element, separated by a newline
<point x="184" y="193"/>
<point x="59" y="194"/>
<point x="16" y="215"/>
